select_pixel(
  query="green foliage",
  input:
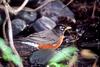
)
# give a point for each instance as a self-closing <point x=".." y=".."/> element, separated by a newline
<point x="57" y="65"/>
<point x="7" y="53"/>
<point x="64" y="54"/>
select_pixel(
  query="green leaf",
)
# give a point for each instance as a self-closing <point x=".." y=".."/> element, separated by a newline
<point x="57" y="65"/>
<point x="64" y="54"/>
<point x="16" y="59"/>
<point x="8" y="53"/>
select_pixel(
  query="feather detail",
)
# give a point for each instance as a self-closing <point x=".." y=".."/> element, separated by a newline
<point x="54" y="46"/>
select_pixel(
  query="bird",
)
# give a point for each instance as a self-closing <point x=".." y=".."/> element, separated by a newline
<point x="47" y="39"/>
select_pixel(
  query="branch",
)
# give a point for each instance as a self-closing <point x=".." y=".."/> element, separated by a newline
<point x="4" y="30"/>
<point x="10" y="34"/>
<point x="94" y="8"/>
<point x="68" y="3"/>
<point x="15" y="11"/>
<point x="4" y="23"/>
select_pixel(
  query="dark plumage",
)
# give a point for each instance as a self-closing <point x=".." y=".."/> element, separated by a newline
<point x="45" y="39"/>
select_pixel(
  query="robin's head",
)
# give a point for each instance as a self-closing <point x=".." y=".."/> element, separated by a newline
<point x="60" y="29"/>
<point x="63" y="25"/>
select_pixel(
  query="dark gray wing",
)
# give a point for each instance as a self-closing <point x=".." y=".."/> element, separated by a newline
<point x="45" y="37"/>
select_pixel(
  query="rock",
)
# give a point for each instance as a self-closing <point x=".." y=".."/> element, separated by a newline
<point x="28" y="16"/>
<point x="18" y="25"/>
<point x="55" y="9"/>
<point x="44" y="23"/>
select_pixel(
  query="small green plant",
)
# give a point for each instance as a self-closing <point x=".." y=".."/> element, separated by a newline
<point x="7" y="53"/>
<point x="65" y="54"/>
<point x="57" y="65"/>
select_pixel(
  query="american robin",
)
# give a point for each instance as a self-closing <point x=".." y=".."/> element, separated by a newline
<point x="46" y="39"/>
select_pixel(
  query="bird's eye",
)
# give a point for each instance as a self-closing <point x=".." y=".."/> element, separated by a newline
<point x="62" y="28"/>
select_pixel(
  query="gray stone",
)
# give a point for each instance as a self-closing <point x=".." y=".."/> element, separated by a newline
<point x="44" y="23"/>
<point x="28" y="16"/>
<point x="18" y="25"/>
<point x="55" y="9"/>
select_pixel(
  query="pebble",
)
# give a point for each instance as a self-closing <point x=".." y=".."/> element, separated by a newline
<point x="28" y="16"/>
<point x="18" y="25"/>
<point x="44" y="23"/>
<point x="55" y="9"/>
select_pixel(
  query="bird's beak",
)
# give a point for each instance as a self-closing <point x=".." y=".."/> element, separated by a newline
<point x="67" y="28"/>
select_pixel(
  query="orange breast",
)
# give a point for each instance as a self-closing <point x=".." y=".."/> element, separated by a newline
<point x="54" y="46"/>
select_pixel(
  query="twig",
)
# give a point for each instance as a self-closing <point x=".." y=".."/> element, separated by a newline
<point x="46" y="2"/>
<point x="15" y="11"/>
<point x="11" y="64"/>
<point x="95" y="62"/>
<point x="1" y="7"/>
<point x="4" y="31"/>
<point x="10" y="34"/>
<point x="94" y="8"/>
<point x="29" y="9"/>
<point x="9" y="24"/>
<point x="68" y="3"/>
<point x="66" y="6"/>
<point x="22" y="7"/>
<point x="4" y="23"/>
<point x="41" y="6"/>
<point x="73" y="61"/>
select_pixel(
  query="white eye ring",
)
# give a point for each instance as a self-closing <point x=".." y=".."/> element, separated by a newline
<point x="61" y="28"/>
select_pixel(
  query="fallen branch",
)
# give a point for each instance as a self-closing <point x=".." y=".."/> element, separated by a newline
<point x="10" y="34"/>
<point x="94" y="8"/>
<point x="15" y="11"/>
<point x="4" y="23"/>
<point x="4" y="30"/>
<point x="68" y="3"/>
<point x="46" y="2"/>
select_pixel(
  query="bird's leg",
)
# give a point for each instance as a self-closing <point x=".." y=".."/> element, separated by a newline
<point x="54" y="46"/>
